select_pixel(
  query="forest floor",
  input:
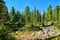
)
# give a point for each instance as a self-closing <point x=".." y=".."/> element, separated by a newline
<point x="38" y="34"/>
<point x="24" y="36"/>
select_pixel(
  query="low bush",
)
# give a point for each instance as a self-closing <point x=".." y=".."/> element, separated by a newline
<point x="5" y="34"/>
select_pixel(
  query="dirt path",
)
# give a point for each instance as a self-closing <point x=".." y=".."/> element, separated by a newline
<point x="24" y="36"/>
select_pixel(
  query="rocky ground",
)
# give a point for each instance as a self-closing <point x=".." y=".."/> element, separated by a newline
<point x="41" y="34"/>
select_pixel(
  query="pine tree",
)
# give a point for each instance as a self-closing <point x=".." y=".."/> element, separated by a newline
<point x="7" y="16"/>
<point x="35" y="15"/>
<point x="49" y="13"/>
<point x="2" y="12"/>
<point x="26" y="14"/>
<point x="31" y="17"/>
<point x="18" y="17"/>
<point x="56" y="13"/>
<point x="12" y="13"/>
<point x="43" y="18"/>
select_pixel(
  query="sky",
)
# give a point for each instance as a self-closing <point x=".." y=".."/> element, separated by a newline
<point x="39" y="4"/>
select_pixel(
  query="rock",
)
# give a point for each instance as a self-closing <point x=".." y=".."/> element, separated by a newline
<point x="33" y="34"/>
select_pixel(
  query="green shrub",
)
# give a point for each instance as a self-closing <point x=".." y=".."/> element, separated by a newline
<point x="5" y="34"/>
<point x="57" y="25"/>
<point x="32" y="27"/>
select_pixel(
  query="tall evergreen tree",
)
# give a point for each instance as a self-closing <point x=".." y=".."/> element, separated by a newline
<point x="2" y="12"/>
<point x="43" y="18"/>
<point x="56" y="13"/>
<point x="31" y="17"/>
<point x="38" y="16"/>
<point x="7" y="16"/>
<point x="49" y="13"/>
<point x="18" y="17"/>
<point x="12" y="13"/>
<point x="35" y="15"/>
<point x="26" y="14"/>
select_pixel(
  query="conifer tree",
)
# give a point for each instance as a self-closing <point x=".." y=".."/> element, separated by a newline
<point x="56" y="13"/>
<point x="49" y="13"/>
<point x="2" y="12"/>
<point x="26" y="14"/>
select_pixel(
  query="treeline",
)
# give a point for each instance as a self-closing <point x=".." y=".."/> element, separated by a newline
<point x="28" y="18"/>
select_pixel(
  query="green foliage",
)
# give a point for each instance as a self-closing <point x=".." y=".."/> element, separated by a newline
<point x="49" y="13"/>
<point x="57" y="25"/>
<point x="34" y="17"/>
<point x="2" y="12"/>
<point x="31" y="27"/>
<point x="12" y="14"/>
<point x="26" y="14"/>
<point x="56" y="13"/>
<point x="44" y="18"/>
<point x="5" y="34"/>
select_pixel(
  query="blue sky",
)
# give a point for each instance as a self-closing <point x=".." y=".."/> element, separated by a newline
<point x="39" y="4"/>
